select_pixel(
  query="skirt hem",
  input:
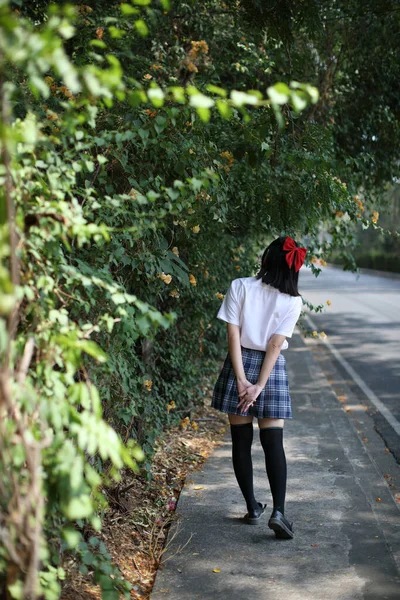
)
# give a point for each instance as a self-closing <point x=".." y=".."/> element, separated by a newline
<point x="227" y="412"/>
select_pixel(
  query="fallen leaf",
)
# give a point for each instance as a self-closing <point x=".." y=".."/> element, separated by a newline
<point x="378" y="500"/>
<point x="315" y="545"/>
<point x="387" y="451"/>
<point x="216" y="570"/>
<point x="342" y="398"/>
<point x="198" y="487"/>
<point x="365" y="439"/>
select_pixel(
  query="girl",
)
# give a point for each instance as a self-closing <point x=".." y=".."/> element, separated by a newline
<point x="261" y="312"/>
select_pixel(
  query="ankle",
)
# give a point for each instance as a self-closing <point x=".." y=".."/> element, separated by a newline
<point x="253" y="506"/>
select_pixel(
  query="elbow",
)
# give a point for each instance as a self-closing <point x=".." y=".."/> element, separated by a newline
<point x="276" y="342"/>
<point x="275" y="346"/>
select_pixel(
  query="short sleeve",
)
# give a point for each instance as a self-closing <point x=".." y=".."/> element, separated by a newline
<point x="288" y="323"/>
<point x="231" y="307"/>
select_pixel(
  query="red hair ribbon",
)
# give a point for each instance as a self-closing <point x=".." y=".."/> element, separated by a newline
<point x="295" y="255"/>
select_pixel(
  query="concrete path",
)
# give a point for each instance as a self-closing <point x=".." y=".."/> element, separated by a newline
<point x="346" y="545"/>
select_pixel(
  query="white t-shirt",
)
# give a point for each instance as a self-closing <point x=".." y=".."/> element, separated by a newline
<point x="260" y="310"/>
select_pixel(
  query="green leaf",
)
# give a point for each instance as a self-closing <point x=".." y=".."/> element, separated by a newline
<point x="310" y="90"/>
<point x="224" y="109"/>
<point x="72" y="537"/>
<point x="199" y="100"/>
<point x="115" y="32"/>
<point x="94" y="350"/>
<point x="156" y="96"/>
<point x="279" y="93"/>
<point x="141" y="27"/>
<point x="241" y="98"/>
<point x="214" y="89"/>
<point x="204" y="114"/>
<point x="79" y="508"/>
<point x="298" y="100"/>
<point x="127" y="9"/>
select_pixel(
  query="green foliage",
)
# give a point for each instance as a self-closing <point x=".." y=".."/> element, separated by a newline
<point x="151" y="153"/>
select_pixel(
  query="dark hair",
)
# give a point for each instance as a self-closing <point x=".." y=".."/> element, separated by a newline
<point x="276" y="272"/>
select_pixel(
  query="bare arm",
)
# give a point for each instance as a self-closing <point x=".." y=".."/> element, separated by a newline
<point x="235" y="351"/>
<point x="249" y="395"/>
<point x="272" y="353"/>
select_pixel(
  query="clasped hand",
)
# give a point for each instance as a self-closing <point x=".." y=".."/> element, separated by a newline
<point x="248" y="394"/>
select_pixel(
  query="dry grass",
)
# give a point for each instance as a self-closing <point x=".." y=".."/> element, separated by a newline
<point x="140" y="513"/>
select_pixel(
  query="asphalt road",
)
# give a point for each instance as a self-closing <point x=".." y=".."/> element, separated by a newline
<point x="363" y="326"/>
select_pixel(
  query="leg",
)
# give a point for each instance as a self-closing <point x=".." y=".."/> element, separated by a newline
<point x="271" y="437"/>
<point x="242" y="438"/>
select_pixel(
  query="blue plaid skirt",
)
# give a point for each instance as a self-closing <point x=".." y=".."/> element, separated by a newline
<point x="274" y="400"/>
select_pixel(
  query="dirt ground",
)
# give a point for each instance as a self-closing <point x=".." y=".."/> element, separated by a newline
<point x="140" y="512"/>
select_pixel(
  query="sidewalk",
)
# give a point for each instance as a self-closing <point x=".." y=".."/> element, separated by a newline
<point x="346" y="545"/>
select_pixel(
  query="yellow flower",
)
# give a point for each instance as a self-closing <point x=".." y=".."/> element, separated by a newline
<point x="219" y="296"/>
<point x="192" y="280"/>
<point x="237" y="267"/>
<point x="147" y="384"/>
<point x="323" y="262"/>
<point x="375" y="216"/>
<point x="315" y="333"/>
<point x="191" y="151"/>
<point x="314" y="259"/>
<point x="49" y="80"/>
<point x="175" y="251"/>
<point x="171" y="406"/>
<point x="196" y="229"/>
<point x="206" y="274"/>
<point x="323" y="335"/>
<point x="84" y="9"/>
<point x="192" y="67"/>
<point x="174" y="293"/>
<point x="268" y="200"/>
<point x="184" y="423"/>
<point x="166" y="278"/>
<point x="197" y="48"/>
<point x="328" y="302"/>
<point x="147" y="76"/>
<point x="194" y="425"/>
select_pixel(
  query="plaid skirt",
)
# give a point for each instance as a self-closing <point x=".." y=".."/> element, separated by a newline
<point x="273" y="402"/>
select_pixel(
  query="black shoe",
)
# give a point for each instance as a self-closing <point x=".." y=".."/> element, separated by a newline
<point x="283" y="529"/>
<point x="253" y="516"/>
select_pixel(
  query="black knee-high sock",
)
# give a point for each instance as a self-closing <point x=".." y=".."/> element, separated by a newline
<point x="275" y="462"/>
<point x="242" y="438"/>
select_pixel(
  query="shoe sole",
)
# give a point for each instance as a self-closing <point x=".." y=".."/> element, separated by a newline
<point x="280" y="529"/>
<point x="252" y="520"/>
